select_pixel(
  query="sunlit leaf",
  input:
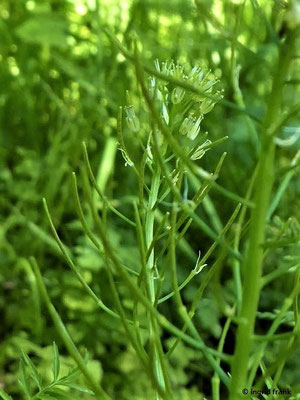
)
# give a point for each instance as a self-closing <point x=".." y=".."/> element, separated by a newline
<point x="44" y="29"/>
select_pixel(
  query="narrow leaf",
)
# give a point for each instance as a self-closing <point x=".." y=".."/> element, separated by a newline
<point x="23" y="379"/>
<point x="77" y="387"/>
<point x="60" y="394"/>
<point x="46" y="397"/>
<point x="56" y="363"/>
<point x="34" y="372"/>
<point x="4" y="396"/>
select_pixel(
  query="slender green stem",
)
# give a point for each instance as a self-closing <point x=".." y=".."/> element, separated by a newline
<point x="283" y="186"/>
<point x="215" y="379"/>
<point x="74" y="268"/>
<point x="254" y="257"/>
<point x="150" y="277"/>
<point x="132" y="334"/>
<point x="180" y="287"/>
<point x="186" y="208"/>
<point x="287" y="304"/>
<point x="235" y="71"/>
<point x="98" y="190"/>
<point x="62" y="331"/>
<point x="149" y="306"/>
<point x="207" y="277"/>
<point x="178" y="301"/>
<point x="149" y="228"/>
<point x="237" y="238"/>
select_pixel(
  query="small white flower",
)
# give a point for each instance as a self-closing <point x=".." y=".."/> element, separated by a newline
<point x="206" y="106"/>
<point x="177" y="95"/>
<point x="191" y="126"/>
<point x="149" y="154"/>
<point x="199" y="267"/>
<point x="199" y="153"/>
<point x="126" y="158"/>
<point x="165" y="113"/>
<point x="131" y="119"/>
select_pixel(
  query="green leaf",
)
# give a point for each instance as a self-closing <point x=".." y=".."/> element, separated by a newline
<point x="77" y="387"/>
<point x="60" y="394"/>
<point x="4" y="395"/>
<point x="34" y="373"/>
<point x="46" y="397"/>
<point x="73" y="71"/>
<point x="23" y="379"/>
<point x="44" y="29"/>
<point x="72" y="375"/>
<point x="56" y="363"/>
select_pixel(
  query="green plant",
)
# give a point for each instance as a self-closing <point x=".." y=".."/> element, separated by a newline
<point x="263" y="186"/>
<point x="167" y="173"/>
<point x="29" y="374"/>
<point x="167" y="165"/>
<point x="188" y="250"/>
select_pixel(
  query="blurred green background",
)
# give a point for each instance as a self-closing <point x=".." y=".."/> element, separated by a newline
<point x="61" y="82"/>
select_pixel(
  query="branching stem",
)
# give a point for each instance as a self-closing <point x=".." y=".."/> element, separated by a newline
<point x="254" y="257"/>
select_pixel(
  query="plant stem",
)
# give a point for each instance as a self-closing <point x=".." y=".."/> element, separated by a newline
<point x="62" y="331"/>
<point x="150" y="269"/>
<point x="216" y="379"/>
<point x="149" y="228"/>
<point x="254" y="256"/>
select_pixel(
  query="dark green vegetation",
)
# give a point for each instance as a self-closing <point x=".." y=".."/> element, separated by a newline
<point x="164" y="259"/>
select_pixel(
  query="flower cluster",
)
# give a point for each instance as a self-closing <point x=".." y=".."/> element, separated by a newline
<point x="181" y="109"/>
<point x="190" y="105"/>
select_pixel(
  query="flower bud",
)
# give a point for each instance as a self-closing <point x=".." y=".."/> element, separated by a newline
<point x="199" y="153"/>
<point x="131" y="119"/>
<point x="152" y="86"/>
<point x="177" y="95"/>
<point x="165" y="113"/>
<point x="190" y="126"/>
<point x="206" y="106"/>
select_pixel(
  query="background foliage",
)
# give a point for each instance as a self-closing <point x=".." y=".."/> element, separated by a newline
<point x="62" y="82"/>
